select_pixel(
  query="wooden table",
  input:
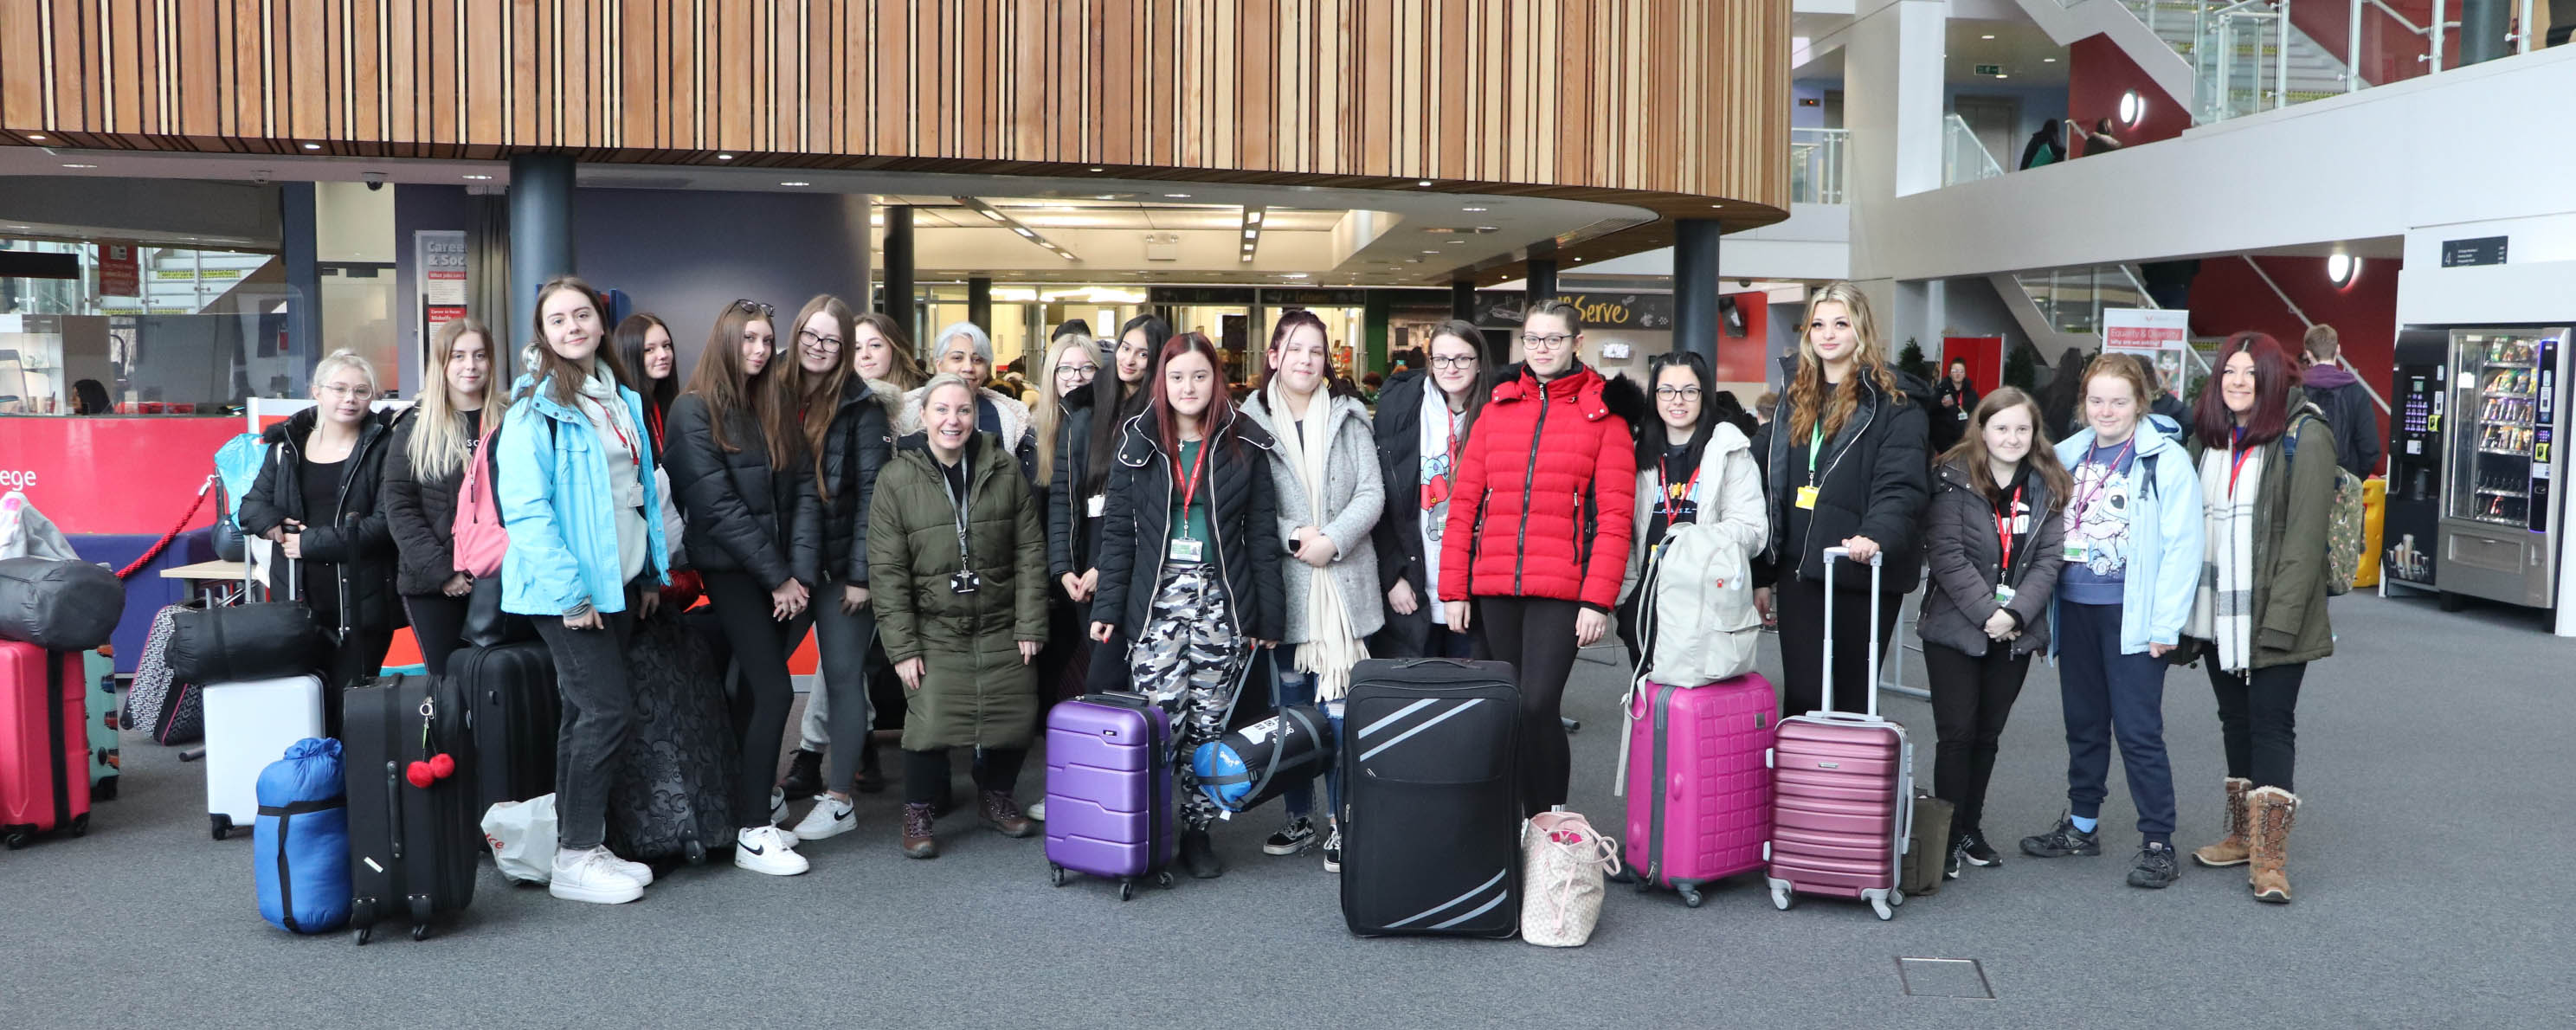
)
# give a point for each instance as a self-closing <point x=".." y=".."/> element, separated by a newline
<point x="218" y="582"/>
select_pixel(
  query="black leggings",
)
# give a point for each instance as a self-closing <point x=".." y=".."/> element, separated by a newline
<point x="1800" y="605"/>
<point x="925" y="773"/>
<point x="2258" y="717"/>
<point x="1536" y="635"/>
<point x="438" y="623"/>
<point x="1971" y="698"/>
<point x="763" y="692"/>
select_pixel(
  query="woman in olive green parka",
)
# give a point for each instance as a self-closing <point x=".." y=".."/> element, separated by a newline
<point x="960" y="628"/>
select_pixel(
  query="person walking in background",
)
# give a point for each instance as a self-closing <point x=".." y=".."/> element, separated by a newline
<point x="1422" y="424"/>
<point x="1995" y="544"/>
<point x="2046" y="147"/>
<point x="755" y="534"/>
<point x="1330" y="492"/>
<point x="2342" y="400"/>
<point x="586" y="560"/>
<point x="955" y="547"/>
<point x="1540" y="552"/>
<point x="2132" y="553"/>
<point x="1844" y="463"/>
<point x="2097" y="140"/>
<point x="2260" y="615"/>
<point x="424" y="465"/>
<point x="1693" y="468"/>
<point x="1953" y="399"/>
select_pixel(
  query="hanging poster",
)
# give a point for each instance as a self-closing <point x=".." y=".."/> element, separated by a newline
<point x="2161" y="336"/>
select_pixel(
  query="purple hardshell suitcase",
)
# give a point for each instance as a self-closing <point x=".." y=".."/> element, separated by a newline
<point x="1842" y="787"/>
<point x="1109" y="790"/>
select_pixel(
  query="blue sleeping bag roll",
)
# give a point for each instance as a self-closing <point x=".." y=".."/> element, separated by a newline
<point x="1248" y="767"/>
<point x="301" y="841"/>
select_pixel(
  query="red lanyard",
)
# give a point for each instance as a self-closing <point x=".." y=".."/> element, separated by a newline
<point x="2236" y="463"/>
<point x="1670" y="504"/>
<point x="2108" y="471"/>
<point x="2004" y="529"/>
<point x="1189" y="486"/>
<point x="1454" y="444"/>
<point x="633" y="452"/>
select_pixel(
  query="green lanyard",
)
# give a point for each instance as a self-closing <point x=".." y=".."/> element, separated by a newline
<point x="1815" y="443"/>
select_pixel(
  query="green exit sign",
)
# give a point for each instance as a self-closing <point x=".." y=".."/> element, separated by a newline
<point x="1990" y="69"/>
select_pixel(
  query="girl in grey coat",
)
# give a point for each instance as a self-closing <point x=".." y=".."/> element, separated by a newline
<point x="1331" y="491"/>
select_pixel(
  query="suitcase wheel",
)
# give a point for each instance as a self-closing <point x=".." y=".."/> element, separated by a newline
<point x="359" y="936"/>
<point x="694" y="852"/>
<point x="80" y="825"/>
<point x="1885" y="911"/>
<point x="1163" y="879"/>
<point x="1896" y="896"/>
<point x="223" y="825"/>
<point x="1780" y="896"/>
<point x="420" y="931"/>
<point x="17" y="841"/>
<point x="1690" y="894"/>
<point x="105" y="790"/>
<point x="1127" y="889"/>
<point x="1055" y="874"/>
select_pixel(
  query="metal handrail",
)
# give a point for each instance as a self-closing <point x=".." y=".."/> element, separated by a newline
<point x="1955" y="130"/>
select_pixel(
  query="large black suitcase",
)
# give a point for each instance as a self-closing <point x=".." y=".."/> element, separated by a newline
<point x="516" y="719"/>
<point x="673" y="797"/>
<point x="412" y="849"/>
<point x="1430" y="758"/>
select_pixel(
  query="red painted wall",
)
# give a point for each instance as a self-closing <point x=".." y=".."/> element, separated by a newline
<point x="1739" y="358"/>
<point x="2098" y="72"/>
<point x="2228" y="297"/>
<point x="2389" y="52"/>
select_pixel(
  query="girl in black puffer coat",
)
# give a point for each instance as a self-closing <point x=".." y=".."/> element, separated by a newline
<point x="316" y="499"/>
<point x="424" y="465"/>
<point x="737" y="462"/>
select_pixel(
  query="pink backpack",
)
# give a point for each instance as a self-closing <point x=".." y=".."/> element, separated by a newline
<point x="480" y="541"/>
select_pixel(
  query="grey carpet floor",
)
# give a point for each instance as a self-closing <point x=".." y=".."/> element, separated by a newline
<point x="2428" y="867"/>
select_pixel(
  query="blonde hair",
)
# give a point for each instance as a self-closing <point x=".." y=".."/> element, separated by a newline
<point x="1808" y="405"/>
<point x="1048" y="412"/>
<point x="437" y="445"/>
<point x="344" y="358"/>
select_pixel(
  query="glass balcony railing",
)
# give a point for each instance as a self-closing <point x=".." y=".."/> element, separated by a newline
<point x="2249" y="56"/>
<point x="1963" y="156"/>
<point x="1816" y="165"/>
<point x="2071" y="300"/>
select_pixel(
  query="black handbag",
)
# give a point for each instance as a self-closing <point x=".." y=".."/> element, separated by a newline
<point x="486" y="625"/>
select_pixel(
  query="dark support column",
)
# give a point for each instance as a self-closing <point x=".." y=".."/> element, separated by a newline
<point x="1542" y="279"/>
<point x="1462" y="299"/>
<point x="540" y="229"/>
<point x="300" y="250"/>
<point x="2482" y="29"/>
<point x="1696" y="319"/>
<point x="898" y="269"/>
<point x="979" y="301"/>
<point x="1376" y="317"/>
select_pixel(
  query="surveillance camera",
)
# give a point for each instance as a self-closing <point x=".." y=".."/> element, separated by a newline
<point x="375" y="180"/>
<point x="259" y="177"/>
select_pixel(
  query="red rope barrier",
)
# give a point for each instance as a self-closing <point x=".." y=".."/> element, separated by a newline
<point x="164" y="543"/>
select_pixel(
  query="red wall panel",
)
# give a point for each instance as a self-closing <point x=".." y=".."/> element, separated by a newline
<point x="2228" y="297"/>
<point x="2098" y="72"/>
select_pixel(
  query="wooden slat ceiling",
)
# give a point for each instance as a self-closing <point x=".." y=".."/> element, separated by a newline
<point x="1670" y="105"/>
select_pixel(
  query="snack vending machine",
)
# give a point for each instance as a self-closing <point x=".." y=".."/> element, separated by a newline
<point x="2500" y="504"/>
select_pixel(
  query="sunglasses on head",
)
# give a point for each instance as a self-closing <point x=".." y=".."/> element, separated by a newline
<point x="753" y="307"/>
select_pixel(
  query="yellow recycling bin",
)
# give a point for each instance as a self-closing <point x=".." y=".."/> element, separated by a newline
<point x="2374" y="515"/>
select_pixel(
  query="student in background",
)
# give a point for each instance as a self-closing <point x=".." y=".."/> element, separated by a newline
<point x="1118" y="394"/>
<point x="646" y="356"/>
<point x="2342" y="400"/>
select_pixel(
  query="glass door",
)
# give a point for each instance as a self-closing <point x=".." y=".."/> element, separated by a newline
<point x="2499" y="446"/>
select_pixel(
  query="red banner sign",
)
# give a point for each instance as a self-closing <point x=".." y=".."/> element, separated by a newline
<point x="120" y="270"/>
<point x="110" y="474"/>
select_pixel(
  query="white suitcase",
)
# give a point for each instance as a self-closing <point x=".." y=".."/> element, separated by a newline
<point x="249" y="724"/>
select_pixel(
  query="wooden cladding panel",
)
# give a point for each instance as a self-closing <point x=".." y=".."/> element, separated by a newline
<point x="1679" y="97"/>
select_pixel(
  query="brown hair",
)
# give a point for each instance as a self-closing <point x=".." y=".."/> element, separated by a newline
<point x="1971" y="449"/>
<point x="547" y="365"/>
<point x="2320" y="343"/>
<point x="804" y="403"/>
<point x="908" y="374"/>
<point x="721" y="382"/>
<point x="2122" y="367"/>
<point x="1807" y="400"/>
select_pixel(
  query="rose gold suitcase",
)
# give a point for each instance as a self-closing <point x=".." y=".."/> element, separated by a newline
<point x="1840" y="784"/>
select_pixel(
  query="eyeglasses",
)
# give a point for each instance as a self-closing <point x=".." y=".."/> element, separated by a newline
<point x="1466" y="363"/>
<point x="358" y="392"/>
<point x="1077" y="373"/>
<point x="1677" y="393"/>
<point x="1548" y="342"/>
<point x="753" y="307"/>
<point x="810" y="336"/>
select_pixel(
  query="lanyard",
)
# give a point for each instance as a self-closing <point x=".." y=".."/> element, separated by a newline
<point x="2086" y="501"/>
<point x="1190" y="485"/>
<point x="2236" y="461"/>
<point x="633" y="452"/>
<point x="2004" y="531"/>
<point x="1665" y="476"/>
<point x="962" y="503"/>
<point x="1815" y="443"/>
<point x="1454" y="443"/>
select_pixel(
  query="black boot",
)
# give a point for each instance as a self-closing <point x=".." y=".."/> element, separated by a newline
<point x="1198" y="855"/>
<point x="869" y="780"/>
<point x="804" y="777"/>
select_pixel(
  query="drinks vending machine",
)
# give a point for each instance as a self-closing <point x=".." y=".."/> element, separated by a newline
<point x="2421" y="390"/>
<point x="2500" y="466"/>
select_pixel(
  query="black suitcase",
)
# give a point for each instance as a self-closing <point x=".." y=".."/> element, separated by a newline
<point x="516" y="716"/>
<point x="412" y="849"/>
<point x="673" y="797"/>
<point x="1430" y="755"/>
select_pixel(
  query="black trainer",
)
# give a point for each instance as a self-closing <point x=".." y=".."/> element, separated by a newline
<point x="1979" y="853"/>
<point x="1292" y="838"/>
<point x="2063" y="841"/>
<point x="1951" y="858"/>
<point x="804" y="777"/>
<point x="2156" y="867"/>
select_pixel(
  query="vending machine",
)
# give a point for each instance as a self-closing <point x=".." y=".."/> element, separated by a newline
<point x="2412" y="532"/>
<point x="2500" y="510"/>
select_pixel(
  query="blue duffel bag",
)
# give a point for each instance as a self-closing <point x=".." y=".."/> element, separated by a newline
<point x="301" y="841"/>
<point x="1249" y="766"/>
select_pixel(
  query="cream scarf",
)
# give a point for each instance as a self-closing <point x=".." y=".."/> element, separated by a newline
<point x="2223" y="610"/>
<point x="1307" y="446"/>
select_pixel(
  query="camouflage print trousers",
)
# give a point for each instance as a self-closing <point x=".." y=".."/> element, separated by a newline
<point x="1190" y="661"/>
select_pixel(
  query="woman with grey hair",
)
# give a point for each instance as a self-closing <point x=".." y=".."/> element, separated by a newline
<point x="966" y="349"/>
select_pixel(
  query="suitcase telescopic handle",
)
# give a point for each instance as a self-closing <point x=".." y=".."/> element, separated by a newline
<point x="1876" y="572"/>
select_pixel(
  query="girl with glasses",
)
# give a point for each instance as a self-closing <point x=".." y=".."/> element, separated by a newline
<point x="1693" y="468"/>
<point x="1422" y="423"/>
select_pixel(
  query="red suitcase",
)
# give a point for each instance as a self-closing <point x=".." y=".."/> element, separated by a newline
<point x="44" y="743"/>
<point x="1840" y="790"/>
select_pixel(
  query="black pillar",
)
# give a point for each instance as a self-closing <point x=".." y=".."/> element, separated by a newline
<point x="1462" y="299"/>
<point x="2482" y="29"/>
<point x="1696" y="317"/>
<point x="540" y="229"/>
<point x="1542" y="279"/>
<point x="979" y="301"/>
<point x="898" y="269"/>
<point x="300" y="251"/>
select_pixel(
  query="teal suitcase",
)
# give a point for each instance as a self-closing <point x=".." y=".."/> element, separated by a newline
<point x="105" y="757"/>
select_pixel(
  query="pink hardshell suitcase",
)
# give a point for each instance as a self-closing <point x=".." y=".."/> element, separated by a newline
<point x="1840" y="789"/>
<point x="1698" y="782"/>
<point x="44" y="743"/>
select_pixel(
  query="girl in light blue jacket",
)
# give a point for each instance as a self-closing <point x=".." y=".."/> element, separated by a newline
<point x="586" y="558"/>
<point x="2132" y="563"/>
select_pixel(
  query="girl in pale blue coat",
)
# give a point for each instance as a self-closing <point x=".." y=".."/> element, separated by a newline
<point x="586" y="558"/>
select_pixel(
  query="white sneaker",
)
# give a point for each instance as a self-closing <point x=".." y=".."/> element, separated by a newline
<point x="593" y="876"/>
<point x="767" y="849"/>
<point x="778" y="816"/>
<point x="1036" y="810"/>
<point x="828" y="818"/>
<point x="636" y="871"/>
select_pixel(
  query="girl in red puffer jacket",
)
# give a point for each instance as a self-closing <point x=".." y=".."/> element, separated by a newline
<point x="1550" y="475"/>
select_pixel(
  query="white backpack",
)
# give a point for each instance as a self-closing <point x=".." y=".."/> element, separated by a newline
<point x="1698" y="594"/>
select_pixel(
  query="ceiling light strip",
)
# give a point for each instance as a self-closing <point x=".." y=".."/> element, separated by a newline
<point x="977" y="205"/>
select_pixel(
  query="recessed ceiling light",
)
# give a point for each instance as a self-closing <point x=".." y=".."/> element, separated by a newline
<point x="796" y="182"/>
<point x="1253" y="217"/>
<point x="1987" y="36"/>
<point x="1422" y="182"/>
<point x="1247" y="256"/>
<point x="1065" y="254"/>
<point x="2001" y="75"/>
<point x="992" y="214"/>
<point x="2048" y="60"/>
<point x="1022" y="230"/>
<point x="1431" y="252"/>
<point x="80" y="166"/>
<point x="1250" y="234"/>
<point x="1292" y="275"/>
<point x="1178" y="196"/>
<point x="1097" y="168"/>
<point x="37" y="136"/>
<point x="724" y="157"/>
<point x="1455" y="242"/>
<point x="1473" y="209"/>
<point x="479" y="178"/>
<point x="313" y="146"/>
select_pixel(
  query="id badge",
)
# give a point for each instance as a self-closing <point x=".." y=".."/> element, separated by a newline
<point x="1188" y="550"/>
<point x="1098" y="505"/>
<point x="1806" y="498"/>
<point x="2075" y="551"/>
<point x="2003" y="594"/>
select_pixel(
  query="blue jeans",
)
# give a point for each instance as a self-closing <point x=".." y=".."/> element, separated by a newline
<point x="1298" y="688"/>
<point x="2106" y="691"/>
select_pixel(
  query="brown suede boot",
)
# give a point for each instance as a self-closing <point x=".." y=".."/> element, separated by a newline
<point x="1005" y="815"/>
<point x="2234" y="850"/>
<point x="917" y="841"/>
<point x="2272" y="811"/>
